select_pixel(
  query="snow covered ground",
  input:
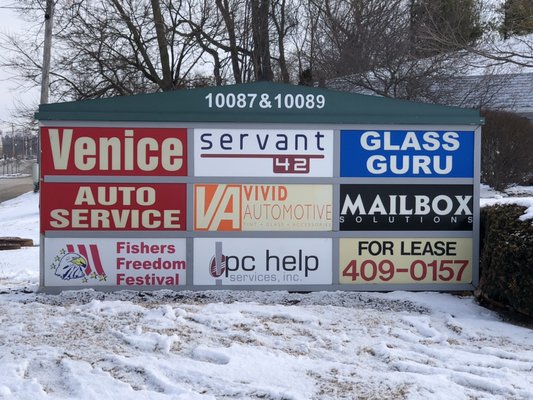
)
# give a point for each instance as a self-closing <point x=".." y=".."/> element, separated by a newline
<point x="248" y="345"/>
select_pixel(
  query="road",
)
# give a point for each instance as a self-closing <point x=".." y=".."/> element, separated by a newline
<point x="13" y="187"/>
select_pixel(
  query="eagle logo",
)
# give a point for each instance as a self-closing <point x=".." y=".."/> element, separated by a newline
<point x="82" y="263"/>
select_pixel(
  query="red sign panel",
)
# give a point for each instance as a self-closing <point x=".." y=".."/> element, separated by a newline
<point x="105" y="151"/>
<point x="113" y="206"/>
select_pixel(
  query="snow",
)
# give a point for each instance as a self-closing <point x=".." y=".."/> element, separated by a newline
<point x="490" y="197"/>
<point x="248" y="345"/>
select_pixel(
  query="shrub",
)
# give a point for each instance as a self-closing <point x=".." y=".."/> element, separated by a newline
<point x="506" y="148"/>
<point x="506" y="258"/>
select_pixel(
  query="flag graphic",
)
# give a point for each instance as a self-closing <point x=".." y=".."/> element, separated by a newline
<point x="80" y="261"/>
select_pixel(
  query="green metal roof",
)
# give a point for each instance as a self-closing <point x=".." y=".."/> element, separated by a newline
<point x="193" y="106"/>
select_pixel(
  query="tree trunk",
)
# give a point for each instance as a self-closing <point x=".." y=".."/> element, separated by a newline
<point x="166" y="82"/>
<point x="281" y="29"/>
<point x="261" y="50"/>
<point x="223" y="7"/>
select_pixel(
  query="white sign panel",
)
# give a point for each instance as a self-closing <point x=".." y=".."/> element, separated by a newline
<point x="263" y="152"/>
<point x="114" y="262"/>
<point x="262" y="261"/>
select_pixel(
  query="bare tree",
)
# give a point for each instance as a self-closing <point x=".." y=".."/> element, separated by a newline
<point x="366" y="46"/>
<point x="121" y="47"/>
<point x="517" y="50"/>
<point x="303" y="38"/>
<point x="261" y="40"/>
<point x="114" y="47"/>
<point x="228" y="11"/>
<point x="241" y="17"/>
<point x="247" y="39"/>
<point x="283" y="15"/>
<point x="492" y="47"/>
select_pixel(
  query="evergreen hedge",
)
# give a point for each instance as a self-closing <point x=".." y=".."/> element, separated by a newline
<point x="506" y="258"/>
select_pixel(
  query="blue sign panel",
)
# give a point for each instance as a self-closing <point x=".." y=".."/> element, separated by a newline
<point x="409" y="154"/>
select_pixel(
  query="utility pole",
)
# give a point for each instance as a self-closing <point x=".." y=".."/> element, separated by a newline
<point x="45" y="80"/>
<point x="47" y="50"/>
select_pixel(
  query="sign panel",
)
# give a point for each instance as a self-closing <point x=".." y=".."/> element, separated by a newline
<point x="406" y="207"/>
<point x="113" y="206"/>
<point x="114" y="262"/>
<point x="407" y="154"/>
<point x="262" y="261"/>
<point x="104" y="151"/>
<point x="405" y="260"/>
<point x="234" y="207"/>
<point x="263" y="152"/>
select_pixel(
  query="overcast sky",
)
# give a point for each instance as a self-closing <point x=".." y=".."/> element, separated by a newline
<point x="11" y="23"/>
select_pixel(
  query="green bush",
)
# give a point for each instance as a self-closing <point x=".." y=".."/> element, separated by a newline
<point x="506" y="258"/>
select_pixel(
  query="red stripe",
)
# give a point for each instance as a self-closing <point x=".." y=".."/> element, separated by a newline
<point x="83" y="252"/>
<point x="96" y="259"/>
<point x="222" y="155"/>
<point x="70" y="248"/>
